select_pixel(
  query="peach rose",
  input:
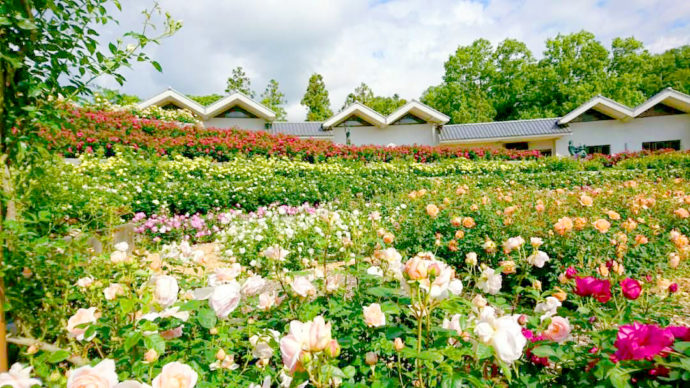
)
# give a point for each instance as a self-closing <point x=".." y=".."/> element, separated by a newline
<point x="558" y="330"/>
<point x="579" y="223"/>
<point x="563" y="226"/>
<point x="586" y="200"/>
<point x="303" y="287"/>
<point x="81" y="317"/>
<point x="176" y="375"/>
<point x="165" y="290"/>
<point x="613" y="215"/>
<point x="416" y="268"/>
<point x="373" y="316"/>
<point x="681" y="213"/>
<point x="602" y="225"/>
<point x="432" y="210"/>
<point x="113" y="290"/>
<point x="319" y="334"/>
<point x="102" y="375"/>
<point x="468" y="222"/>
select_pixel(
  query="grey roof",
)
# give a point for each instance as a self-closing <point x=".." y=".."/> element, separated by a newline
<point x="496" y="129"/>
<point x="306" y="129"/>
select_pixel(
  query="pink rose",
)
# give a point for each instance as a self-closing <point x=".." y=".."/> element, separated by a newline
<point x="102" y="375"/>
<point x="631" y="288"/>
<point x="638" y="342"/>
<point x="176" y="375"/>
<point x="81" y="317"/>
<point x="319" y="334"/>
<point x="373" y="316"/>
<point x="416" y="268"/>
<point x="591" y="286"/>
<point x="558" y="330"/>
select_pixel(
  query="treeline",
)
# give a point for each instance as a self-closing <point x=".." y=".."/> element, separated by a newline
<point x="486" y="83"/>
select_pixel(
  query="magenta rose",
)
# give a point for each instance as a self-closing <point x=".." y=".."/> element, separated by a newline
<point x="641" y="342"/>
<point x="680" y="332"/>
<point x="571" y="272"/>
<point x="591" y="286"/>
<point x="631" y="288"/>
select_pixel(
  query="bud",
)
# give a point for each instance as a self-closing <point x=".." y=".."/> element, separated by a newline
<point x="562" y="278"/>
<point x="332" y="349"/>
<point x="220" y="355"/>
<point x="673" y="288"/>
<point x="522" y="320"/>
<point x="213" y="331"/>
<point x="305" y="358"/>
<point x="508" y="267"/>
<point x="388" y="237"/>
<point x="32" y="349"/>
<point x="398" y="344"/>
<point x="536" y="285"/>
<point x="456" y="221"/>
<point x="471" y="259"/>
<point x="371" y="358"/>
<point x="603" y="270"/>
<point x="459" y="234"/>
<point x="673" y="260"/>
<point x="151" y="356"/>
<point x="560" y="294"/>
<point x="26" y="272"/>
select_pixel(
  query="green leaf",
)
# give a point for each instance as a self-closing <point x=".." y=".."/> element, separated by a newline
<point x="619" y="378"/>
<point x="132" y="339"/>
<point x="155" y="342"/>
<point x="543" y="351"/>
<point x="349" y="371"/>
<point x="60" y="355"/>
<point x="207" y="318"/>
<point x="157" y="66"/>
<point x="484" y="351"/>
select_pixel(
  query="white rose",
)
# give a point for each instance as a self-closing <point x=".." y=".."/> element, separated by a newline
<point x="18" y="377"/>
<point x="455" y="286"/>
<point x="225" y="298"/>
<point x="375" y="271"/>
<point x="504" y="334"/>
<point x="373" y="316"/>
<point x="122" y="246"/>
<point x="165" y="290"/>
<point x="538" y="259"/>
<point x="490" y="281"/>
<point x="102" y="375"/>
<point x="549" y="308"/>
<point x="253" y="285"/>
<point x="176" y="375"/>
<point x="85" y="281"/>
<point x="118" y="257"/>
<point x="81" y="317"/>
<point x="303" y="287"/>
<point x="112" y="291"/>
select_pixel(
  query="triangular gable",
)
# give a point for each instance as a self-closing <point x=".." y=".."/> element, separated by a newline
<point x="244" y="102"/>
<point x="667" y="97"/>
<point x="363" y="112"/>
<point x="602" y="105"/>
<point x="419" y="110"/>
<point x="171" y="96"/>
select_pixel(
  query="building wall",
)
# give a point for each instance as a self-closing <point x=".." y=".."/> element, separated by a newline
<point x="422" y="134"/>
<point x="239" y="123"/>
<point x="628" y="136"/>
<point x="548" y="144"/>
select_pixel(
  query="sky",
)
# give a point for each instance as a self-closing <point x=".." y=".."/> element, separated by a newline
<point x="395" y="46"/>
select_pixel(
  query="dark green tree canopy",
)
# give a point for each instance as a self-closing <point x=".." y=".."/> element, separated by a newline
<point x="316" y="99"/>
<point x="206" y="99"/>
<point x="506" y="82"/>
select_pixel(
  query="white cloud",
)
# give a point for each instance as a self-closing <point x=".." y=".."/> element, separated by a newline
<point x="395" y="46"/>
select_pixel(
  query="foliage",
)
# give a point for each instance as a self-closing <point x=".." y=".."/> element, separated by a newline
<point x="206" y="100"/>
<point x="316" y="99"/>
<point x="274" y="99"/>
<point x="239" y="82"/>
<point x="482" y="83"/>
<point x="115" y="97"/>
<point x="364" y="95"/>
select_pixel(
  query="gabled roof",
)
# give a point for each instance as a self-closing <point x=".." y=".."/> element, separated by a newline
<point x="601" y="104"/>
<point x="173" y="96"/>
<point x="357" y="109"/>
<point x="668" y="97"/>
<point x="420" y="110"/>
<point x="243" y="101"/>
<point x="305" y="129"/>
<point x="502" y="129"/>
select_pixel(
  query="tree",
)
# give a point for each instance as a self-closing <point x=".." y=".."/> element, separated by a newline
<point x="50" y="49"/>
<point x="461" y="105"/>
<point x="273" y="99"/>
<point x="364" y="95"/>
<point x="316" y="99"/>
<point x="239" y="83"/>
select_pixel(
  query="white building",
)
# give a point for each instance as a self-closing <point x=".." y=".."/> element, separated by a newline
<point x="601" y="125"/>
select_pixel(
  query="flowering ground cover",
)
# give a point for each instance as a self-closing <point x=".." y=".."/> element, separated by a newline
<point x="443" y="274"/>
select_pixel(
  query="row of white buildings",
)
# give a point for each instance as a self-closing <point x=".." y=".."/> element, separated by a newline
<point x="600" y="124"/>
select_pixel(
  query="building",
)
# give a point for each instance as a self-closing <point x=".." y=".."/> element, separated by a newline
<point x="600" y="125"/>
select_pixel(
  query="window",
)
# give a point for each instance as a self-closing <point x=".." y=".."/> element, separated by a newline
<point x="591" y="115"/>
<point x="170" y="106"/>
<point x="521" y="146"/>
<point x="237" y="113"/>
<point x="546" y="152"/>
<point x="354" y="121"/>
<point x="409" y="119"/>
<point x="660" y="145"/>
<point x="599" y="149"/>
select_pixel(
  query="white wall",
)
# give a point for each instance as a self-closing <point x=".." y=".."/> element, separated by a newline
<point x="628" y="136"/>
<point x="239" y="123"/>
<point x="544" y="144"/>
<point x="422" y="134"/>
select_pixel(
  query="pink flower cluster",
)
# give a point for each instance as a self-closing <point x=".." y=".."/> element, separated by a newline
<point x="644" y="342"/>
<point x="591" y="286"/>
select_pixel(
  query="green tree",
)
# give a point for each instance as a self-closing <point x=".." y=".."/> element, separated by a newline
<point x="206" y="100"/>
<point x="364" y="95"/>
<point x="461" y="105"/>
<point x="273" y="98"/>
<point x="239" y="82"/>
<point x="316" y="99"/>
<point x="50" y="49"/>
<point x="513" y="62"/>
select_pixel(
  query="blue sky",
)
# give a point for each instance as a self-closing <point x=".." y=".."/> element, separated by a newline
<point x="395" y="46"/>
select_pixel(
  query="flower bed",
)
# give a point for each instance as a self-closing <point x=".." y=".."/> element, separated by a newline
<point x="468" y="279"/>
